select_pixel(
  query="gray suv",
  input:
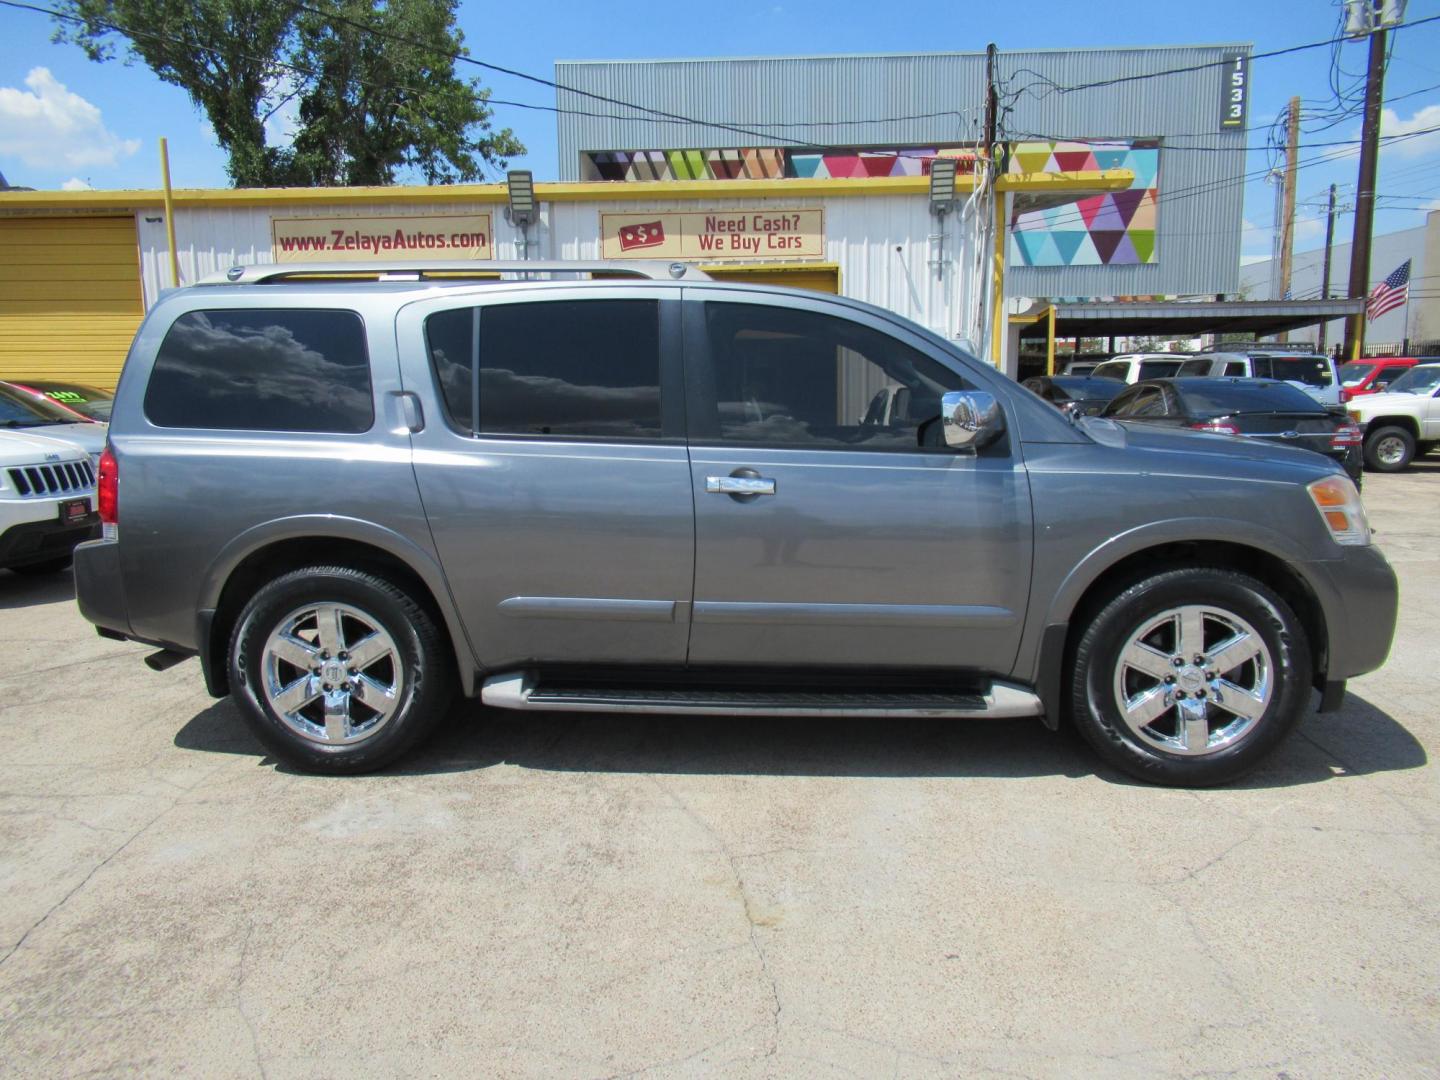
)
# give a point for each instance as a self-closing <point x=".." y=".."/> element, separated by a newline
<point x="645" y="491"/>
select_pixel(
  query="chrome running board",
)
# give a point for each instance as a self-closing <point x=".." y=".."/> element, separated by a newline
<point x="517" y="690"/>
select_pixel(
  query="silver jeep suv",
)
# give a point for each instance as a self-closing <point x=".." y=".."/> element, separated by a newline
<point x="644" y="491"/>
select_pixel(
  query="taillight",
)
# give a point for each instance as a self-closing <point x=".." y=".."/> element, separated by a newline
<point x="1345" y="395"/>
<point x="107" y="492"/>
<point x="1215" y="427"/>
<point x="1346" y="436"/>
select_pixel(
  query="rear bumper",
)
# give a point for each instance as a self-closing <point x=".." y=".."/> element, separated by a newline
<point x="99" y="590"/>
<point x="38" y="541"/>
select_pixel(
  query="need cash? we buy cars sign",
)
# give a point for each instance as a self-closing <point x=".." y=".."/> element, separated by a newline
<point x="714" y="235"/>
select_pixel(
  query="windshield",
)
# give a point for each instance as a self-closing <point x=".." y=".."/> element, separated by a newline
<point x="1214" y="398"/>
<point x="1354" y="373"/>
<point x="1158" y="369"/>
<point x="19" y="409"/>
<point x="1418" y="380"/>
<point x="1310" y="370"/>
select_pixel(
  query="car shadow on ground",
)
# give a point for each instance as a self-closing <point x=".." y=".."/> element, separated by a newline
<point x="24" y="590"/>
<point x="1359" y="740"/>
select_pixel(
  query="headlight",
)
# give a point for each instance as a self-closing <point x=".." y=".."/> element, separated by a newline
<point x="1338" y="501"/>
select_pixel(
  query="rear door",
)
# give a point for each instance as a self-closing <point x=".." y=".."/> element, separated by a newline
<point x="826" y="535"/>
<point x="553" y="470"/>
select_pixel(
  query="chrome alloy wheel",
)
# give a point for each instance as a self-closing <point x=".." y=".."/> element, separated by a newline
<point x="1193" y="680"/>
<point x="1390" y="450"/>
<point x="332" y="673"/>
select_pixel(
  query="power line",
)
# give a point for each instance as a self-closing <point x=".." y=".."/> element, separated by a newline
<point x="1054" y="87"/>
<point x="1236" y="149"/>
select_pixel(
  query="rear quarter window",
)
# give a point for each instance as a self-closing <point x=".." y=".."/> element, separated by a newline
<point x="267" y="369"/>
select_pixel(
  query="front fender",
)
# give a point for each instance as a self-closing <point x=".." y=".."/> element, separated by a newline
<point x="1180" y="530"/>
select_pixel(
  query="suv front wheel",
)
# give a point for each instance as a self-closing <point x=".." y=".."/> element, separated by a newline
<point x="1190" y="677"/>
<point x="1389" y="449"/>
<point x="337" y="670"/>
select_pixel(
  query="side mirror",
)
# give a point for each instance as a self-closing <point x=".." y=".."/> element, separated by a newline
<point x="972" y="419"/>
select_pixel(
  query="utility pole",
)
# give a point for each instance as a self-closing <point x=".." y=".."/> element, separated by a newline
<point x="1365" y="185"/>
<point x="1287" y="213"/>
<point x="1325" y="273"/>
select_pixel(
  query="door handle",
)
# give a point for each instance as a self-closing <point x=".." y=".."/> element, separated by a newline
<point x="743" y="484"/>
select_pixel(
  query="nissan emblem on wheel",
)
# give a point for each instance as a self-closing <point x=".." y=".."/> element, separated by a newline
<point x="355" y="493"/>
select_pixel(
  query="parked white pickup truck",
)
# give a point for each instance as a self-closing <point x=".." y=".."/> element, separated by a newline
<point x="47" y="502"/>
<point x="1403" y="421"/>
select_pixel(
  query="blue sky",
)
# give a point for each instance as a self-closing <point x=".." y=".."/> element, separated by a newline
<point x="64" y="119"/>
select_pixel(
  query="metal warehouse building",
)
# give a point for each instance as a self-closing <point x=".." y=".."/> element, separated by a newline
<point x="1117" y="176"/>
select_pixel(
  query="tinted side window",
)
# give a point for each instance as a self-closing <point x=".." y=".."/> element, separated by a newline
<point x="563" y="368"/>
<point x="1235" y="368"/>
<point x="786" y="377"/>
<point x="1149" y="402"/>
<point x="1120" y="370"/>
<point x="263" y="370"/>
<point x="1260" y="367"/>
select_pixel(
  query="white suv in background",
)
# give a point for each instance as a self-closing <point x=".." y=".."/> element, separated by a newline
<point x="1315" y="374"/>
<point x="1137" y="367"/>
<point x="1403" y="422"/>
<point x="47" y="502"/>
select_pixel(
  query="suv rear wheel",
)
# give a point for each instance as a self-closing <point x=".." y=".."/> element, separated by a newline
<point x="1389" y="449"/>
<point x="1190" y="677"/>
<point x="337" y="670"/>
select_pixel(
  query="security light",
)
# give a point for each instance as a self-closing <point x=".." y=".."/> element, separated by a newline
<point x="942" y="185"/>
<point x="522" y="210"/>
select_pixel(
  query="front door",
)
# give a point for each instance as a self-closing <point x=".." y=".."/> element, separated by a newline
<point x="552" y="466"/>
<point x="833" y="526"/>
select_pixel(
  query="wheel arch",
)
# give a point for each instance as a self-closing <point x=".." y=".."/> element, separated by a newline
<point x="267" y="551"/>
<point x="1272" y="560"/>
<point x="1409" y="423"/>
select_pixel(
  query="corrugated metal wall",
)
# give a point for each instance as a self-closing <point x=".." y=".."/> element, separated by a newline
<point x="213" y="239"/>
<point x="882" y="245"/>
<point x="799" y="100"/>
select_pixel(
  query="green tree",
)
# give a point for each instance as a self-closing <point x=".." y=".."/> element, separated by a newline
<point x="373" y="84"/>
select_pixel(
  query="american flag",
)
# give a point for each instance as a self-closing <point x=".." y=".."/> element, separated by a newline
<point x="1390" y="293"/>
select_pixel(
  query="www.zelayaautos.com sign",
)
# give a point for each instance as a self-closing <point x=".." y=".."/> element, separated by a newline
<point x="365" y="239"/>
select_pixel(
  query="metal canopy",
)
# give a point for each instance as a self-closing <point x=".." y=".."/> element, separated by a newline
<point x="1178" y="319"/>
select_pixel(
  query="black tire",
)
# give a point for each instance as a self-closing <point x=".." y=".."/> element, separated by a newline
<point x="424" y="663"/>
<point x="1097" y="712"/>
<point x="1384" y="435"/>
<point x="49" y="566"/>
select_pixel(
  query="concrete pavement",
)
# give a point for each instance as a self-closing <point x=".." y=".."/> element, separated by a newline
<point x="599" y="896"/>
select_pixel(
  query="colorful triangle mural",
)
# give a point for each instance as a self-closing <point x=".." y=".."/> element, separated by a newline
<point x="1118" y="227"/>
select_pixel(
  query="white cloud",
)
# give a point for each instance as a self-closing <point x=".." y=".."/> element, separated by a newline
<point x="1422" y="119"/>
<point x="49" y="125"/>
<point x="1308" y="228"/>
<point x="76" y="184"/>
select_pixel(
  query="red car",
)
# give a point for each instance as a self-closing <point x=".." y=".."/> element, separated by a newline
<point x="1372" y="375"/>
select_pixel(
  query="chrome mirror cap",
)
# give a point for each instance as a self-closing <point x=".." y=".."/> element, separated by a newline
<point x="972" y="419"/>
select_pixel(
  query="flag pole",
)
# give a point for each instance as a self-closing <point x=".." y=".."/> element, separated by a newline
<point x="1405" y="330"/>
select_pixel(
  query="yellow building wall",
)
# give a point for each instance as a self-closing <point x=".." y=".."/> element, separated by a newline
<point x="70" y="297"/>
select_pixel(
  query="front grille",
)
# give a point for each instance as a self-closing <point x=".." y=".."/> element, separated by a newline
<point x="42" y="481"/>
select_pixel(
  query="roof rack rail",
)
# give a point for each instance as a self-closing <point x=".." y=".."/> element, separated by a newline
<point x="1260" y="346"/>
<point x="416" y="270"/>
